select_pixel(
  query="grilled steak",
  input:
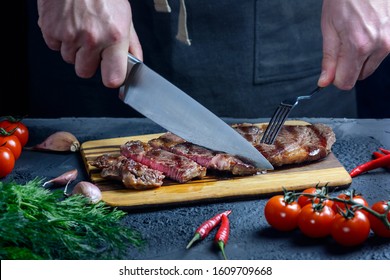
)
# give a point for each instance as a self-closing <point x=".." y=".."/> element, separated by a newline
<point x="144" y="165"/>
<point x="133" y="175"/>
<point x="203" y="156"/>
<point x="176" y="167"/>
<point x="294" y="143"/>
<point x="250" y="132"/>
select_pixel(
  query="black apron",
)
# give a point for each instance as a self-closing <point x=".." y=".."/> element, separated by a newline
<point x="244" y="58"/>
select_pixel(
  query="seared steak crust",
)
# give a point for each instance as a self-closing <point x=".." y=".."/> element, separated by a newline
<point x="294" y="143"/>
<point x="176" y="167"/>
<point x="133" y="175"/>
<point x="203" y="156"/>
<point x="250" y="132"/>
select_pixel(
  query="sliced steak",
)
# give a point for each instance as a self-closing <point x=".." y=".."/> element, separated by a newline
<point x="176" y="167"/>
<point x="250" y="132"/>
<point x="298" y="144"/>
<point x="133" y="175"/>
<point x="203" y="156"/>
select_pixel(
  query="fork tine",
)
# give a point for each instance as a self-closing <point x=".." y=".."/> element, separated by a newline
<point x="272" y="125"/>
<point x="280" y="116"/>
<point x="280" y="122"/>
<point x="275" y="124"/>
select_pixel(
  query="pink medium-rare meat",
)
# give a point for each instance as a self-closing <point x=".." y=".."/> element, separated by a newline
<point x="176" y="167"/>
<point x="133" y="175"/>
<point x="294" y="143"/>
<point x="203" y="156"/>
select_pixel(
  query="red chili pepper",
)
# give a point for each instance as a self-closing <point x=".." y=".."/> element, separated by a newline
<point x="370" y="165"/>
<point x="204" y="229"/>
<point x="222" y="235"/>
<point x="386" y="152"/>
<point x="379" y="155"/>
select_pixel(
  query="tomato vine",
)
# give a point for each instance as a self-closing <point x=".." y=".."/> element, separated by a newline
<point x="348" y="218"/>
<point x="350" y="201"/>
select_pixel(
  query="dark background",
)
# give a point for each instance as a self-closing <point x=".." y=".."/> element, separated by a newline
<point x="372" y="94"/>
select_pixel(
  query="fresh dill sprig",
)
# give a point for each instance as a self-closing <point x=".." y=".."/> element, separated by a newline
<point x="36" y="223"/>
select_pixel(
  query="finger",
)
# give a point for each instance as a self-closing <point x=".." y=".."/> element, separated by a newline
<point x="52" y="43"/>
<point x="68" y="53"/>
<point x="349" y="66"/>
<point x="86" y="62"/>
<point x="114" y="65"/>
<point x="330" y="52"/>
<point x="371" y="64"/>
<point x="134" y="44"/>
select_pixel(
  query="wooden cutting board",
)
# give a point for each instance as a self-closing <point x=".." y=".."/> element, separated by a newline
<point x="211" y="188"/>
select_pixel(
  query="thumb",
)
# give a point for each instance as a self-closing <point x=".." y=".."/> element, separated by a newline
<point x="330" y="52"/>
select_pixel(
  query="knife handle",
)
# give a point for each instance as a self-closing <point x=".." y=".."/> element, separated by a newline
<point x="131" y="62"/>
<point x="132" y="59"/>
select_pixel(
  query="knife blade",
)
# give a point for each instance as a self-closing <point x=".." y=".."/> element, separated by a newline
<point x="159" y="100"/>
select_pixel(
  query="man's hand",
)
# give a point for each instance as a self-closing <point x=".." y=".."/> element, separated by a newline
<point x="356" y="39"/>
<point x="89" y="33"/>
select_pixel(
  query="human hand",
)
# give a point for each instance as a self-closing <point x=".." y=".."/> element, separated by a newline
<point x="356" y="39"/>
<point x="89" y="33"/>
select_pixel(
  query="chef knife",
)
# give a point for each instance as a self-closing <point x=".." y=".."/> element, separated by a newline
<point x="168" y="106"/>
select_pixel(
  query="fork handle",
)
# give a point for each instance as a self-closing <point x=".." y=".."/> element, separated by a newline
<point x="318" y="89"/>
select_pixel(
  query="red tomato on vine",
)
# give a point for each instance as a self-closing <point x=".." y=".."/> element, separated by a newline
<point x="7" y="161"/>
<point x="358" y="198"/>
<point x="12" y="142"/>
<point x="350" y="229"/>
<point x="282" y="214"/>
<point x="304" y="200"/>
<point x="377" y="226"/>
<point x="17" y="128"/>
<point x="316" y="220"/>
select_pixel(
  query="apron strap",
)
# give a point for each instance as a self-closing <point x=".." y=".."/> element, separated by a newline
<point x="182" y="34"/>
<point x="162" y="6"/>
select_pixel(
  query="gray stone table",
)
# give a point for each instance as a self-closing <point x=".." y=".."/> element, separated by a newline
<point x="167" y="230"/>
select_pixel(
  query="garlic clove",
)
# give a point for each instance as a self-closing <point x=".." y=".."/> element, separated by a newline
<point x="89" y="190"/>
<point x="60" y="141"/>
<point x="63" y="179"/>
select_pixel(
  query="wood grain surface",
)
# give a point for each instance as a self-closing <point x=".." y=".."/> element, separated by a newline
<point x="214" y="186"/>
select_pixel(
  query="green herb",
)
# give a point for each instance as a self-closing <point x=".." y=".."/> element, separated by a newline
<point x="36" y="223"/>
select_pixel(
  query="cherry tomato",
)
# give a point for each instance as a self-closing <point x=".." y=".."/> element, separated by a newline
<point x="304" y="200"/>
<point x="20" y="131"/>
<point x="12" y="142"/>
<point x="377" y="226"/>
<point x="350" y="231"/>
<point x="315" y="221"/>
<point x="7" y="161"/>
<point x="280" y="214"/>
<point x="346" y="196"/>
